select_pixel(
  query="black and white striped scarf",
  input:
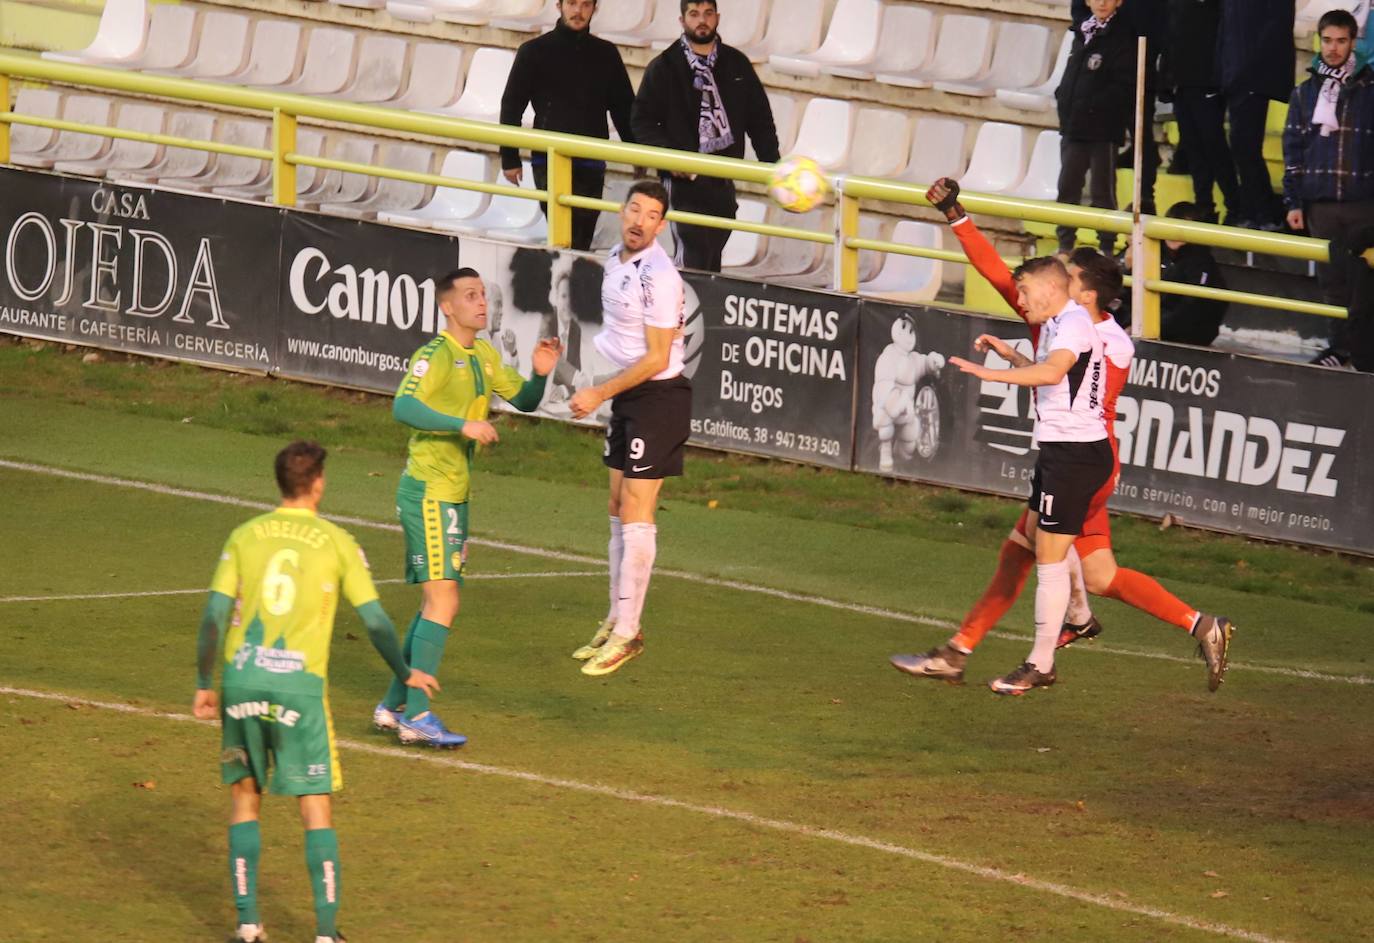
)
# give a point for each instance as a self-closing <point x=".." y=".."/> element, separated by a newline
<point x="713" y="126"/>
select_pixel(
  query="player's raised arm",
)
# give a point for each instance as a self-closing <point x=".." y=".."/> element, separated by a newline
<point x="943" y="194"/>
<point x="526" y="394"/>
<point x="1053" y="369"/>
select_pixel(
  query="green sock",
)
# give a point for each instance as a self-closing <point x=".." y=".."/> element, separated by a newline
<point x="322" y="860"/>
<point x="245" y="845"/>
<point x="427" y="650"/>
<point x="397" y="693"/>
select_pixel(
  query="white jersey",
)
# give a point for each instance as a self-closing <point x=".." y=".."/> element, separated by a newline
<point x="643" y="291"/>
<point x="1118" y="345"/>
<point x="1073" y="409"/>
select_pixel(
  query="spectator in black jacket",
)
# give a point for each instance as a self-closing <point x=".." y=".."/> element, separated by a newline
<point x="573" y="79"/>
<point x="702" y="95"/>
<point x="1184" y="320"/>
<point x="1255" y="56"/>
<point x="1096" y="103"/>
<point x="1190" y="75"/>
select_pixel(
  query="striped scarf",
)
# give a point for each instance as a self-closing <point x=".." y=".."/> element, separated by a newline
<point x="713" y="126"/>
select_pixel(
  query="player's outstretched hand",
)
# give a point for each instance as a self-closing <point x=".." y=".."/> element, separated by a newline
<point x="943" y="194"/>
<point x="585" y="402"/>
<point x="986" y="342"/>
<point x="479" y="431"/>
<point x="967" y="366"/>
<point x="546" y="354"/>
<point x="206" y="704"/>
<point x="425" y="682"/>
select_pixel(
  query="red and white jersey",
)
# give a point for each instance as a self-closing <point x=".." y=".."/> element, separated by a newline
<point x="1119" y="349"/>
<point x="1073" y="409"/>
<point x="643" y="291"/>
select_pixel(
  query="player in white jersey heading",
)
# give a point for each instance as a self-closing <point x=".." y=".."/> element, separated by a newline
<point x="1069" y="375"/>
<point x="651" y="412"/>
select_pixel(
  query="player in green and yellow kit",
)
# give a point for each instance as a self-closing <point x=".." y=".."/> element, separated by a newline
<point x="280" y="576"/>
<point x="445" y="398"/>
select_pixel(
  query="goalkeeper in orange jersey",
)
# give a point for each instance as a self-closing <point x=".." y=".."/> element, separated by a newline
<point x="1095" y="280"/>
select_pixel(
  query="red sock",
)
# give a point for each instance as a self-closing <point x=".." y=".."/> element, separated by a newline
<point x="1144" y="593"/>
<point x="1014" y="564"/>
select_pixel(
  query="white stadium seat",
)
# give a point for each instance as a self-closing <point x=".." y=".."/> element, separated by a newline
<point x="907" y="277"/>
<point x="176" y="162"/>
<point x="1042" y="176"/>
<point x="784" y="109"/>
<point x="361" y="4"/>
<point x="118" y="39"/>
<point x="999" y="159"/>
<point x="744" y="248"/>
<point x="412" y="11"/>
<point x="961" y="54"/>
<point x="74" y="145"/>
<point x="789" y="258"/>
<point x="623" y="22"/>
<point x="388" y="194"/>
<point x="309" y="142"/>
<point x="275" y="58"/>
<point x="537" y="22"/>
<point x="469" y="12"/>
<point x="124" y="154"/>
<point x="505" y="217"/>
<point x="794" y="28"/>
<point x="852" y="40"/>
<point x="335" y="186"/>
<point x="827" y="131"/>
<point x="172" y="35"/>
<point x="328" y="68"/>
<point x="230" y="170"/>
<point x="659" y="30"/>
<point x="743" y="22"/>
<point x="876" y="131"/>
<point x="481" y="98"/>
<point x="381" y="69"/>
<point x="1040" y="98"/>
<point x="224" y="57"/>
<point x="1020" y="60"/>
<point x="907" y="40"/>
<point x="449" y="204"/>
<point x="937" y="150"/>
<point x="436" y="77"/>
<point x="30" y="145"/>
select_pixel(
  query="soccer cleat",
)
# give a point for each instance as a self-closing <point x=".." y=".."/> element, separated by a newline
<point x="945" y="663"/>
<point x="613" y="654"/>
<point x="1071" y="633"/>
<point x="1021" y="679"/>
<point x="603" y="632"/>
<point x="1213" y="634"/>
<point x="387" y="718"/>
<point x="429" y="730"/>
<point x="336" y="938"/>
<point x="249" y="933"/>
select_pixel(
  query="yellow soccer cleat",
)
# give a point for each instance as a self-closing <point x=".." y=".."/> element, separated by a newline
<point x="603" y="632"/>
<point x="614" y="653"/>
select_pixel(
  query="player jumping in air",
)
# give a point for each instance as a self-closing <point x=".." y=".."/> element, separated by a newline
<point x="281" y="575"/>
<point x="651" y="412"/>
<point x="1100" y="572"/>
<point x="445" y="398"/>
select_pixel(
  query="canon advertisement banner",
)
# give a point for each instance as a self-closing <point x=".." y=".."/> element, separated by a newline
<point x="1230" y="443"/>
<point x="776" y="369"/>
<point x="144" y="271"/>
<point x="357" y="299"/>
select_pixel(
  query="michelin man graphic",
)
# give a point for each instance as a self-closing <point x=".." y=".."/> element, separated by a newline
<point x="906" y="404"/>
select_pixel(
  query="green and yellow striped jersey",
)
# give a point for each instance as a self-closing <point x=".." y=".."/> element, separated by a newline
<point x="285" y="571"/>
<point x="457" y="381"/>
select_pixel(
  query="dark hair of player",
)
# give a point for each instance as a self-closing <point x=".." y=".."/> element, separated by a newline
<point x="652" y="189"/>
<point x="1045" y="265"/>
<point x="297" y="466"/>
<point x="682" y="8"/>
<point x="1342" y="18"/>
<point x="444" y="283"/>
<point x="1099" y="273"/>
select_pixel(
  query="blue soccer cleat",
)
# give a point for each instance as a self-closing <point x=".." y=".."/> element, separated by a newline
<point x="429" y="730"/>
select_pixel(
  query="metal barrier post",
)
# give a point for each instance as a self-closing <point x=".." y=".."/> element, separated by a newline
<point x="846" y="228"/>
<point x="560" y="184"/>
<point x="1147" y="317"/>
<point x="4" y="125"/>
<point x="283" y="172"/>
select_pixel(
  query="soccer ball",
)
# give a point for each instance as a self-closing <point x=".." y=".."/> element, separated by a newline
<point x="798" y="184"/>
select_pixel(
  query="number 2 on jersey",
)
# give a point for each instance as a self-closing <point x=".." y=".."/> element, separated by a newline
<point x="278" y="586"/>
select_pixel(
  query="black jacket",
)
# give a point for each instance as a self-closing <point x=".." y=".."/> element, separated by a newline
<point x="573" y="79"/>
<point x="1184" y="320"/>
<point x="668" y="105"/>
<point x="1255" y="47"/>
<point x="1097" y="94"/>
<point x="1190" y="53"/>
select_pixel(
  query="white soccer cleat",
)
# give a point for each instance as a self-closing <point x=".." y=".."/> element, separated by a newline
<point x="249" y="933"/>
<point x="386" y="718"/>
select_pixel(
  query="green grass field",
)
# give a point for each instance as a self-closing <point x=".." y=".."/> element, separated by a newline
<point x="760" y="774"/>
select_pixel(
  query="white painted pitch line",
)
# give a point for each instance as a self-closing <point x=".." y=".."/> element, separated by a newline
<point x="1299" y="672"/>
<point x="719" y="812"/>
<point x="70" y="597"/>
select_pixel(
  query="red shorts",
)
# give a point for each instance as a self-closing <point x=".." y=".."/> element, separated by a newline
<point x="1097" y="528"/>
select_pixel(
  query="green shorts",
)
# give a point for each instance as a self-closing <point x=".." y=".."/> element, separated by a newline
<point x="289" y="735"/>
<point x="436" y="534"/>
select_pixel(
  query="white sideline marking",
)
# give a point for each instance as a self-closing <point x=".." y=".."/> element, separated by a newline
<point x="1305" y="674"/>
<point x="543" y="574"/>
<point x="719" y="812"/>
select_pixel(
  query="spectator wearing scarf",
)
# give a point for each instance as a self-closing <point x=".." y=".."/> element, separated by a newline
<point x="701" y="95"/>
<point x="1328" y="156"/>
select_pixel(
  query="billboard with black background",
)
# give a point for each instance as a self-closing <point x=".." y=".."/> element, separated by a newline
<point x="146" y="271"/>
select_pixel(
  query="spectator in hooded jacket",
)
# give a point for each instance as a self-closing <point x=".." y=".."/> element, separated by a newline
<point x="1255" y="59"/>
<point x="1190" y="75"/>
<point x="1096" y="103"/>
<point x="1184" y="320"/>
<point x="1328" y="157"/>
<point x="702" y="95"/>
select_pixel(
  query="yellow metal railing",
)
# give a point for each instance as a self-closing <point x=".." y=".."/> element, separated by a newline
<point x="852" y="191"/>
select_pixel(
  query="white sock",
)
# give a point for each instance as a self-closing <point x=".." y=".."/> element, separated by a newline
<point x="1079" y="611"/>
<point x="641" y="546"/>
<point x="615" y="550"/>
<point x="1051" y="602"/>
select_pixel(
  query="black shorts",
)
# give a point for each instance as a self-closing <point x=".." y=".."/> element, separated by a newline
<point x="1067" y="475"/>
<point x="649" y="427"/>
